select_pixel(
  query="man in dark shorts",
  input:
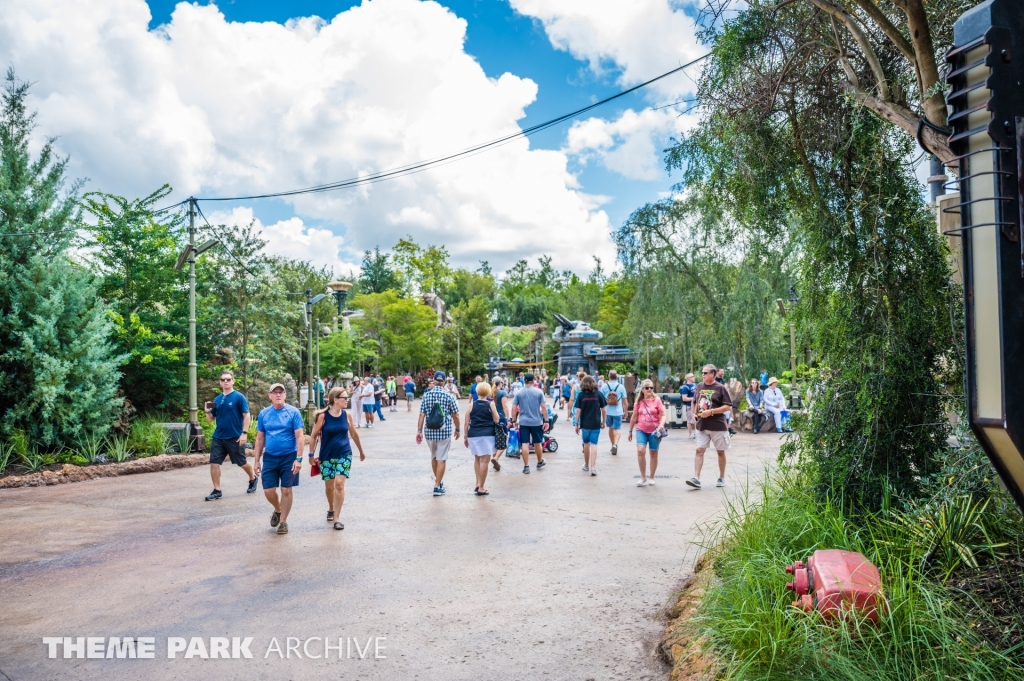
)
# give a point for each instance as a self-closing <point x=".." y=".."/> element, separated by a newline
<point x="531" y="410"/>
<point x="230" y="409"/>
<point x="713" y="401"/>
<point x="280" y="435"/>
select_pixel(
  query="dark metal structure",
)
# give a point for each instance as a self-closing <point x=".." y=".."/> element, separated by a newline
<point x="579" y="348"/>
<point x="986" y="100"/>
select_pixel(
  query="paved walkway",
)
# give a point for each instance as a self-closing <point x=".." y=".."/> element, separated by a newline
<point x="555" y="575"/>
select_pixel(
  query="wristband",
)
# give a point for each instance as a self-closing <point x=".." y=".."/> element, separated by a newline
<point x="299" y="460"/>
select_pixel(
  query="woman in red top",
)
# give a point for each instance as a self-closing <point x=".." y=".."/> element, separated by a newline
<point x="649" y="421"/>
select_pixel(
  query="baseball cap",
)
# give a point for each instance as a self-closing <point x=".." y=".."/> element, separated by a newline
<point x="529" y="377"/>
<point x="276" y="386"/>
<point x="439" y="376"/>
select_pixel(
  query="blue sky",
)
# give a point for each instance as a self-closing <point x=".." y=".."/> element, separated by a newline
<point x="501" y="40"/>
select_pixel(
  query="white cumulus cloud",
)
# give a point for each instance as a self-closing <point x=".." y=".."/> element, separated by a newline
<point x="636" y="40"/>
<point x="225" y="108"/>
<point x="290" y="238"/>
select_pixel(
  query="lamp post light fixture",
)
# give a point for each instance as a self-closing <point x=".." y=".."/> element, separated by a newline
<point x="986" y="103"/>
<point x="339" y="289"/>
<point x="189" y="254"/>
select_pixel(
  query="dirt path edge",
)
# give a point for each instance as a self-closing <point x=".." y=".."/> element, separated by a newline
<point x="71" y="473"/>
<point x="681" y="645"/>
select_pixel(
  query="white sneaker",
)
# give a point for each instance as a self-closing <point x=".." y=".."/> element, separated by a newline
<point x="650" y="481"/>
<point x="586" y="469"/>
<point x="593" y="471"/>
<point x="642" y="483"/>
<point x="720" y="483"/>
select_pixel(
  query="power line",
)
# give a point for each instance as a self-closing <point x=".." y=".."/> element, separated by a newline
<point x="470" y="151"/>
<point x="224" y="245"/>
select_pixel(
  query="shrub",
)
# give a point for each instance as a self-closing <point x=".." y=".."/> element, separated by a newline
<point x="91" y="447"/>
<point x="147" y="438"/>
<point x="118" y="449"/>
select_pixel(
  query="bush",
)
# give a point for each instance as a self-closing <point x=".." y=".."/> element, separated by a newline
<point x="147" y="438"/>
<point x="751" y="627"/>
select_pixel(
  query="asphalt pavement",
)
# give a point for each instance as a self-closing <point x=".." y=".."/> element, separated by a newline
<point x="555" y="575"/>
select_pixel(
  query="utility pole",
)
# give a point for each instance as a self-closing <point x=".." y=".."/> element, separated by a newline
<point x="189" y="255"/>
<point x="309" y="358"/>
<point x="316" y="326"/>
<point x="193" y="388"/>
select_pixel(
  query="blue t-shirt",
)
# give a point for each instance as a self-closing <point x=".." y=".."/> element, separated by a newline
<point x="410" y="388"/>
<point x="566" y="389"/>
<point x="620" y="390"/>
<point x="278" y="427"/>
<point x="472" y="392"/>
<point x="229" y="411"/>
<point x="688" y="390"/>
<point x="764" y="379"/>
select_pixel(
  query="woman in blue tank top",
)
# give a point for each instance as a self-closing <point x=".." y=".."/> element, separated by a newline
<point x="334" y="429"/>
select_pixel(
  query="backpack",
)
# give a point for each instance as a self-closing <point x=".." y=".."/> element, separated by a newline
<point x="435" y="419"/>
<point x="613" y="396"/>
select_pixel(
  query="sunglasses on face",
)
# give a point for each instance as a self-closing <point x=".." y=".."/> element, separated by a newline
<point x="707" y="372"/>
<point x="226" y="380"/>
<point x="647" y="387"/>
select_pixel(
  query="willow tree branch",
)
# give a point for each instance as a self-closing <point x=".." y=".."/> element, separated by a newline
<point x="908" y="121"/>
<point x="890" y="30"/>
<point x="862" y="40"/>
<point x="921" y="36"/>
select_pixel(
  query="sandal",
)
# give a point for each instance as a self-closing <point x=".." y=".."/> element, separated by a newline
<point x="497" y="466"/>
<point x="482" y="492"/>
<point x="339" y="525"/>
<point x="330" y="516"/>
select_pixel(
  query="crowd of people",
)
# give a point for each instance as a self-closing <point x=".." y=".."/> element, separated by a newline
<point x="498" y="411"/>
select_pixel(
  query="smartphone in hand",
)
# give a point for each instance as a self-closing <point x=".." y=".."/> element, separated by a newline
<point x="208" y="406"/>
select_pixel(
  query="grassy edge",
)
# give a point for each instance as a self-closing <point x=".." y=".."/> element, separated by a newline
<point x="731" y="620"/>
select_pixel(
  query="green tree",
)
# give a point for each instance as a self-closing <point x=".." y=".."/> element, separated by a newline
<point x="248" y="308"/>
<point x="410" y="336"/>
<point x="425" y="269"/>
<point x="58" y="368"/>
<point x="343" y="350"/>
<point x="464" y="342"/>
<point x="378" y="275"/>
<point x="784" y="148"/>
<point x="133" y="252"/>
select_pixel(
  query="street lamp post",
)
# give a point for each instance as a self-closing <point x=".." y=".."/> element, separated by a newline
<point x="339" y="289"/>
<point x="795" y="401"/>
<point x="189" y="255"/>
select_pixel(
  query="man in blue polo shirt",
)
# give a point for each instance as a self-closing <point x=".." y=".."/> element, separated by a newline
<point x="231" y="411"/>
<point x="280" y="436"/>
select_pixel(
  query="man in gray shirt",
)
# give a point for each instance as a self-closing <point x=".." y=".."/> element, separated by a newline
<point x="531" y="410"/>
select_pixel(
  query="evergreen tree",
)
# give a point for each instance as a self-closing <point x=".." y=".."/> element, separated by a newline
<point x="58" y="367"/>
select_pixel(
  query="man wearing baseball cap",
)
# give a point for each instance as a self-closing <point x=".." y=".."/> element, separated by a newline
<point x="280" y="436"/>
<point x="438" y="409"/>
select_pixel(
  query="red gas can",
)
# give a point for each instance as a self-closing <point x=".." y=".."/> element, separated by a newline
<point x="835" y="581"/>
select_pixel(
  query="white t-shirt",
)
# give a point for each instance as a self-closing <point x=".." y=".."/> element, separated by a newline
<point x="367" y="392"/>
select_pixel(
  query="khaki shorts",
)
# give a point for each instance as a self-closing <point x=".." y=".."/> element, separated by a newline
<point x="716" y="439"/>
<point x="439" y="449"/>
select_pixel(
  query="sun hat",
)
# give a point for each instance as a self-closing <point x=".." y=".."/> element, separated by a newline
<point x="772" y="380"/>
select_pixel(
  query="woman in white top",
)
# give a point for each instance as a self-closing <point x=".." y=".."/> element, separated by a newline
<point x="774" y="402"/>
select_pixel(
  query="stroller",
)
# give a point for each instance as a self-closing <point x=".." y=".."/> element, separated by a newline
<point x="513" y="450"/>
